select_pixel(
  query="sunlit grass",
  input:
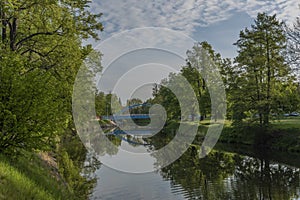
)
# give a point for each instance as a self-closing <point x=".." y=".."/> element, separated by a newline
<point x="287" y="123"/>
<point x="15" y="185"/>
<point x="28" y="179"/>
<point x="207" y="122"/>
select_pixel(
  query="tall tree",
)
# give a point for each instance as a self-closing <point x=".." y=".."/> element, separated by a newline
<point x="263" y="71"/>
<point x="202" y="71"/>
<point x="166" y="98"/>
<point x="40" y="53"/>
<point x="293" y="50"/>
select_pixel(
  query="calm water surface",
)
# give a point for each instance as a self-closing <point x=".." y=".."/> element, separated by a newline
<point x="226" y="173"/>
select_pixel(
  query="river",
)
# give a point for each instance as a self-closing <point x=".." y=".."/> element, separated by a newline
<point x="227" y="172"/>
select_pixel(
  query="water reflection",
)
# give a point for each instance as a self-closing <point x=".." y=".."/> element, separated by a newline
<point x="220" y="175"/>
<point x="115" y="185"/>
<point x="129" y="152"/>
<point x="223" y="175"/>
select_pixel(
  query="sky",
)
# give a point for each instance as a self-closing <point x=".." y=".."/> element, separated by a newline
<point x="177" y="25"/>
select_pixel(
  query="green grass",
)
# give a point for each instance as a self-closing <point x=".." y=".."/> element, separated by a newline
<point x="283" y="135"/>
<point x="286" y="134"/>
<point x="29" y="178"/>
<point x="287" y="123"/>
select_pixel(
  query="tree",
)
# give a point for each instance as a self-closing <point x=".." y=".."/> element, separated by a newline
<point x="293" y="50"/>
<point x="262" y="69"/>
<point x="137" y="109"/>
<point x="203" y="72"/>
<point x="229" y="77"/>
<point x="40" y="53"/>
<point x="198" y="83"/>
<point x="166" y="98"/>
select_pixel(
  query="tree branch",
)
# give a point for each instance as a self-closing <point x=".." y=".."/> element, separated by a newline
<point x="36" y="34"/>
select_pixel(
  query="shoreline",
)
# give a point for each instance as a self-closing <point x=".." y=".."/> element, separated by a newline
<point x="283" y="139"/>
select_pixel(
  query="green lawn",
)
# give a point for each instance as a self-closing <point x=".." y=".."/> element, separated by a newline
<point x="287" y="123"/>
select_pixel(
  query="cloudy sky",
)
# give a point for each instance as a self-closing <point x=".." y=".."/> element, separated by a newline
<point x="215" y="21"/>
<point x="218" y="21"/>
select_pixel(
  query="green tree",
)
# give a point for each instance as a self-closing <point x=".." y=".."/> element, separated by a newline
<point x="262" y="69"/>
<point x="203" y="72"/>
<point x="135" y="110"/>
<point x="100" y="104"/>
<point x="107" y="104"/>
<point x="166" y="98"/>
<point x="293" y="50"/>
<point x="40" y="53"/>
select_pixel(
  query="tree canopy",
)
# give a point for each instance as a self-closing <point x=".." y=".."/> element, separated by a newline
<point x="40" y="52"/>
<point x="264" y="77"/>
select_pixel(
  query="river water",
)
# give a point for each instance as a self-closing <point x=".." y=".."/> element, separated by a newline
<point x="227" y="172"/>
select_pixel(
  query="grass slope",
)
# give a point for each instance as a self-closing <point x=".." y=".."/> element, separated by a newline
<point x="29" y="178"/>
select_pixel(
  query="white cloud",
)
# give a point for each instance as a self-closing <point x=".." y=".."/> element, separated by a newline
<point x="184" y="15"/>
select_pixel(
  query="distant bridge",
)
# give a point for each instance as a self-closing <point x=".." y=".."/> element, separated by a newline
<point x="129" y="116"/>
<point x="121" y="116"/>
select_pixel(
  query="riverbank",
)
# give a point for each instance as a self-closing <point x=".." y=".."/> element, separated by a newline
<point x="57" y="174"/>
<point x="104" y="123"/>
<point x="30" y="177"/>
<point x="283" y="135"/>
<point x="289" y="158"/>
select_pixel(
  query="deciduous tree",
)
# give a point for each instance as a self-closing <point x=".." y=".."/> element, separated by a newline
<point x="263" y="71"/>
<point x="40" y="53"/>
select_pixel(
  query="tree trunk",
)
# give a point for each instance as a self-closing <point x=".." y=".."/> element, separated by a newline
<point x="3" y="22"/>
<point x="258" y="96"/>
<point x="13" y="33"/>
<point x="267" y="107"/>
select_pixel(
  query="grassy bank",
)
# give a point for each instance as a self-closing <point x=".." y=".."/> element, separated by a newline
<point x="30" y="177"/>
<point x="283" y="135"/>
<point x="49" y="175"/>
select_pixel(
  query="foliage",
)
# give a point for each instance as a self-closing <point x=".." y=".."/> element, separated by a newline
<point x="201" y="71"/>
<point x="71" y="155"/>
<point x="137" y="109"/>
<point x="166" y="98"/>
<point x="40" y="53"/>
<point x="283" y="135"/>
<point x="106" y="104"/>
<point x="293" y="50"/>
<point x="264" y="78"/>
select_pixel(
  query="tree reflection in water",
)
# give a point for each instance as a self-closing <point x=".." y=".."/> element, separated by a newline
<point x="219" y="175"/>
<point x="223" y="175"/>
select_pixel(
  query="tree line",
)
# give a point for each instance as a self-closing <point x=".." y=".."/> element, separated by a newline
<point x="41" y="51"/>
<point x="260" y="82"/>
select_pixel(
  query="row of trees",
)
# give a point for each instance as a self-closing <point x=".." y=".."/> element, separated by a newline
<point x="261" y="82"/>
<point x="41" y="51"/>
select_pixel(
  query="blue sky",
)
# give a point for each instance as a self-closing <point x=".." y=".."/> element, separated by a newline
<point x="216" y="21"/>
